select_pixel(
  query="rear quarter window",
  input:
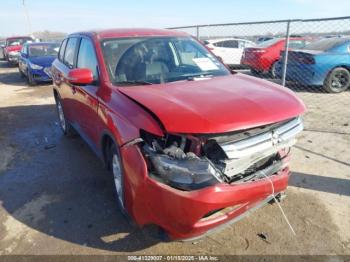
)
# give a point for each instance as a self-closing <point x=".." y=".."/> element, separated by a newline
<point x="62" y="48"/>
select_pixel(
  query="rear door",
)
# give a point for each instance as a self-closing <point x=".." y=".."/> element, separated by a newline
<point x="61" y="67"/>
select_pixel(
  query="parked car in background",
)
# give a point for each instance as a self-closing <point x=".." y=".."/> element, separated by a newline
<point x="325" y="62"/>
<point x="263" y="39"/>
<point x="2" y="46"/>
<point x="264" y="57"/>
<point x="35" y="61"/>
<point x="229" y="49"/>
<point x="191" y="146"/>
<point x="13" y="47"/>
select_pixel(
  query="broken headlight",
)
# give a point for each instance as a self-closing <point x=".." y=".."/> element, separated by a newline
<point x="170" y="164"/>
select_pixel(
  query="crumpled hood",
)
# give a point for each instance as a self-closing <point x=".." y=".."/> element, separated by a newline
<point x="45" y="61"/>
<point x="217" y="105"/>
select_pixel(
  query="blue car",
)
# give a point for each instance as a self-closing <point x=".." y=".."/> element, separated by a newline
<point x="323" y="63"/>
<point x="35" y="61"/>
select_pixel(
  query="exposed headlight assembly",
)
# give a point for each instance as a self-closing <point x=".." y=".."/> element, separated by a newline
<point x="178" y="169"/>
<point x="34" y="66"/>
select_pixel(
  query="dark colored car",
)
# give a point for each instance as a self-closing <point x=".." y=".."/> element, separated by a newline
<point x="264" y="57"/>
<point x="13" y="47"/>
<point x="263" y="39"/>
<point x="192" y="146"/>
<point x="324" y="63"/>
<point x="2" y="46"/>
<point x="35" y="61"/>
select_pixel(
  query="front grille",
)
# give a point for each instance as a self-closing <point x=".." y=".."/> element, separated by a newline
<point x="243" y="157"/>
<point x="279" y="137"/>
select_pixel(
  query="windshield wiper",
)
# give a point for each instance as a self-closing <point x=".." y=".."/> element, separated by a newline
<point x="193" y="77"/>
<point x="133" y="82"/>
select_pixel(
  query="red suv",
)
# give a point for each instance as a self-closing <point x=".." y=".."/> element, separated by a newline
<point x="264" y="57"/>
<point x="191" y="146"/>
<point x="13" y="46"/>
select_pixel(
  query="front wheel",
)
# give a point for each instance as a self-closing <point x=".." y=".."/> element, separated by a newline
<point x="118" y="175"/>
<point x="338" y="80"/>
<point x="21" y="73"/>
<point x="31" y="80"/>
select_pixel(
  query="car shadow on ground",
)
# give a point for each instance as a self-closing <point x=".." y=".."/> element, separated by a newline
<point x="320" y="183"/>
<point x="57" y="186"/>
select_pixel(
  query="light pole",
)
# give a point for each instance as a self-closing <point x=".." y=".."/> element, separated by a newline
<point x="27" y="17"/>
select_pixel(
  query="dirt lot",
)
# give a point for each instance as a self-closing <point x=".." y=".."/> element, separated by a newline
<point x="56" y="198"/>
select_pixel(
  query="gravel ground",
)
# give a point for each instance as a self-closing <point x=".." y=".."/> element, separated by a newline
<point x="56" y="198"/>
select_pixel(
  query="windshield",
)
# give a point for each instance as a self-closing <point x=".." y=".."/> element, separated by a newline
<point x="158" y="59"/>
<point x="18" y="41"/>
<point x="43" y="50"/>
<point x="268" y="42"/>
<point x="325" y="44"/>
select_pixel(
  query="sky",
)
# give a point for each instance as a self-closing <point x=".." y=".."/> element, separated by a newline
<point x="75" y="15"/>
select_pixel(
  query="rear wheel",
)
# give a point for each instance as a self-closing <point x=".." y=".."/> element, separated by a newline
<point x="255" y="72"/>
<point x="338" y="80"/>
<point x="65" y="126"/>
<point x="273" y="70"/>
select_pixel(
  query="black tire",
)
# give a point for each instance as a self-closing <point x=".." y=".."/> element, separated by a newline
<point x="31" y="80"/>
<point x="115" y="164"/>
<point x="21" y="73"/>
<point x="272" y="72"/>
<point x="337" y="81"/>
<point x="255" y="72"/>
<point x="66" y="127"/>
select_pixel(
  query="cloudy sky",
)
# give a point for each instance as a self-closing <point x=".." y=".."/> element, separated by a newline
<point x="74" y="15"/>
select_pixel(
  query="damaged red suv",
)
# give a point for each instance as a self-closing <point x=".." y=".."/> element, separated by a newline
<point x="192" y="146"/>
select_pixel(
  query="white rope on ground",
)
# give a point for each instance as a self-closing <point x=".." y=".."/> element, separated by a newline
<point x="278" y="204"/>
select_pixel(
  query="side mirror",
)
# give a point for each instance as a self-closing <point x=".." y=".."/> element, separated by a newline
<point x="80" y="76"/>
<point x="24" y="55"/>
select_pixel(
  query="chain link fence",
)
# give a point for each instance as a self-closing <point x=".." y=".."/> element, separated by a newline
<point x="316" y="66"/>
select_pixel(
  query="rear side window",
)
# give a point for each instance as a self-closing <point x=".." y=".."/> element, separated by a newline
<point x="69" y="54"/>
<point x="87" y="57"/>
<point x="62" y="48"/>
<point x="227" y="44"/>
<point x="296" y="44"/>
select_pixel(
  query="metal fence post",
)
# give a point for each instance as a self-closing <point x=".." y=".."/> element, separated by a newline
<point x="285" y="57"/>
<point x="197" y="32"/>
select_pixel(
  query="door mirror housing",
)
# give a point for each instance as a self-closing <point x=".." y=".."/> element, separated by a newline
<point x="24" y="55"/>
<point x="80" y="76"/>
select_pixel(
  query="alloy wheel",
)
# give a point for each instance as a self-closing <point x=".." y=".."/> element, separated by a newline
<point x="118" y="180"/>
<point x="340" y="80"/>
<point x="61" y="116"/>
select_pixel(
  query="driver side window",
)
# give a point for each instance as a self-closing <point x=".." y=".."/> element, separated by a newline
<point x="87" y="57"/>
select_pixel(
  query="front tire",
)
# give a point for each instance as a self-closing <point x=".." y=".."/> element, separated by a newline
<point x="337" y="81"/>
<point x="31" y="80"/>
<point x="21" y="73"/>
<point x="118" y="176"/>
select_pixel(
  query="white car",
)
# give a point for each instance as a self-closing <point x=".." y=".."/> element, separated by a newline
<point x="229" y="49"/>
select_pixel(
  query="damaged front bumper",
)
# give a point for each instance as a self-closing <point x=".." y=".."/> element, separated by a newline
<point x="190" y="214"/>
<point x="189" y="195"/>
